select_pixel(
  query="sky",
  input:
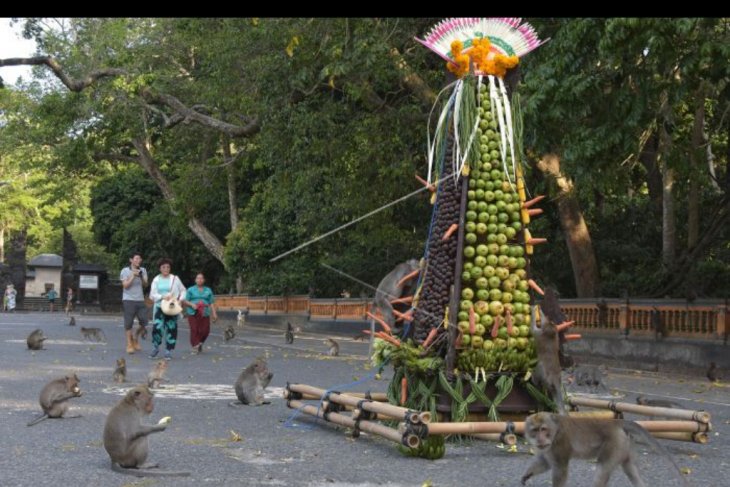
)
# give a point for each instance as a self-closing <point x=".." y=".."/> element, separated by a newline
<point x="12" y="44"/>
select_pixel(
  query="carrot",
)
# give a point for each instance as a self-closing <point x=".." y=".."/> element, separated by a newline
<point x="534" y="200"/>
<point x="564" y="325"/>
<point x="534" y="286"/>
<point x="573" y="336"/>
<point x="457" y="344"/>
<point x="472" y="321"/>
<point x="495" y="327"/>
<point x="388" y="338"/>
<point x="536" y="241"/>
<point x="403" y="391"/>
<point x="450" y="231"/>
<point x="403" y="316"/>
<point x="509" y="322"/>
<point x="534" y="211"/>
<point x="404" y="300"/>
<point x="430" y="187"/>
<point x="367" y="332"/>
<point x="408" y="277"/>
<point x="430" y="337"/>
<point x="379" y="320"/>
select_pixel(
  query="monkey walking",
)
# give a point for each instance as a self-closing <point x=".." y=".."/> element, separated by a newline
<point x="251" y="383"/>
<point x="35" y="340"/>
<point x="547" y="372"/>
<point x="559" y="438"/>
<point x="120" y="373"/>
<point x="289" y="335"/>
<point x="334" y="349"/>
<point x="125" y="437"/>
<point x="229" y="333"/>
<point x="712" y="373"/>
<point x="590" y="376"/>
<point x="156" y="376"/>
<point x="93" y="334"/>
<point x="72" y="321"/>
<point x="54" y="398"/>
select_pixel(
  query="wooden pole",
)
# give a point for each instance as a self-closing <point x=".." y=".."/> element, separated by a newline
<point x="411" y="441"/>
<point x="375" y="396"/>
<point x="682" y="436"/>
<point x="469" y="428"/>
<point x="625" y="407"/>
<point x="508" y="439"/>
<point x="385" y="409"/>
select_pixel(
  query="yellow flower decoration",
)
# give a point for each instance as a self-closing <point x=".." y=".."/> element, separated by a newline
<point x="481" y="56"/>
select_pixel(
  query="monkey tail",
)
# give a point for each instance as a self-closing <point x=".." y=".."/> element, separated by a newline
<point x="634" y="429"/>
<point x="38" y="419"/>
<point x="147" y="472"/>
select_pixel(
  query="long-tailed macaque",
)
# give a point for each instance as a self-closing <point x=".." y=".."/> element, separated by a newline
<point x="229" y="333"/>
<point x="125" y="437"/>
<point x="251" y="383"/>
<point x="547" y="372"/>
<point x="35" y="340"/>
<point x="289" y="334"/>
<point x="54" y="397"/>
<point x="156" y="376"/>
<point x="334" y="347"/>
<point x="95" y="334"/>
<point x="391" y="288"/>
<point x="558" y="438"/>
<point x="120" y="373"/>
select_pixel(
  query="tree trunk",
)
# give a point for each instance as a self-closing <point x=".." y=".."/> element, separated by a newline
<point x="648" y="159"/>
<point x="695" y="158"/>
<point x="209" y="240"/>
<point x="669" y="227"/>
<point x="577" y="236"/>
<point x="2" y="244"/>
<point x="231" y="179"/>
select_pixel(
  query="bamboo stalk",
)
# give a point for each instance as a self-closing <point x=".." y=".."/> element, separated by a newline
<point x="375" y="396"/>
<point x="674" y="426"/>
<point x="625" y="407"/>
<point x="469" y="428"/>
<point x="368" y="426"/>
<point x="682" y="436"/>
<point x="592" y="414"/>
<point x="385" y="409"/>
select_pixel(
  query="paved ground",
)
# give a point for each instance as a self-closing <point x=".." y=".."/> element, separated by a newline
<point x="272" y="451"/>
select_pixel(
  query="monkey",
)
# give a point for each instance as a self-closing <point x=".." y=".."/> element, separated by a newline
<point x="359" y="337"/>
<point x="156" y="375"/>
<point x="591" y="376"/>
<point x="547" y="372"/>
<point x="657" y="324"/>
<point x="93" y="333"/>
<point x="391" y="288"/>
<point x="334" y="350"/>
<point x="72" y="321"/>
<point x="229" y="333"/>
<point x="241" y="320"/>
<point x="289" y="335"/>
<point x="125" y="437"/>
<point x="54" y="398"/>
<point x="35" y="340"/>
<point x="712" y="374"/>
<point x="558" y="438"/>
<point x="120" y="373"/>
<point x="662" y="403"/>
<point x="251" y="383"/>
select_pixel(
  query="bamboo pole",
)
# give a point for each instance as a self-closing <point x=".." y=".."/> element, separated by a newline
<point x="411" y="441"/>
<point x="469" y="428"/>
<point x="375" y="396"/>
<point x="508" y="439"/>
<point x="682" y="436"/>
<point x="592" y="414"/>
<point x="386" y="409"/>
<point x="625" y="407"/>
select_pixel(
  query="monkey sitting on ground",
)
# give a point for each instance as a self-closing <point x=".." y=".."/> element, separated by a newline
<point x="590" y="376"/>
<point x="359" y="337"/>
<point x="334" y="349"/>
<point x="289" y="335"/>
<point x="229" y="333"/>
<point x="251" y="383"/>
<point x="35" y="340"/>
<point x="72" y="321"/>
<point x="241" y="319"/>
<point x="157" y="375"/>
<point x="125" y="437"/>
<point x="54" y="398"/>
<point x="712" y="374"/>
<point x="120" y="373"/>
<point x="660" y="403"/>
<point x="547" y="372"/>
<point x="559" y="438"/>
<point x="94" y="334"/>
<point x="391" y="288"/>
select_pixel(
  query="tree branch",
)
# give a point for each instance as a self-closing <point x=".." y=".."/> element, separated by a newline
<point x="74" y="85"/>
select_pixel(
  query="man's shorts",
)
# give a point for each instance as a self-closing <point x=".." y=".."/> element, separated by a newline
<point x="132" y="309"/>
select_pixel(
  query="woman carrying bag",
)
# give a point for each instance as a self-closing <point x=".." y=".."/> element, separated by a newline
<point x="167" y="291"/>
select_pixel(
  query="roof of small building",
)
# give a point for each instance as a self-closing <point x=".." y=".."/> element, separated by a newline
<point x="46" y="260"/>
